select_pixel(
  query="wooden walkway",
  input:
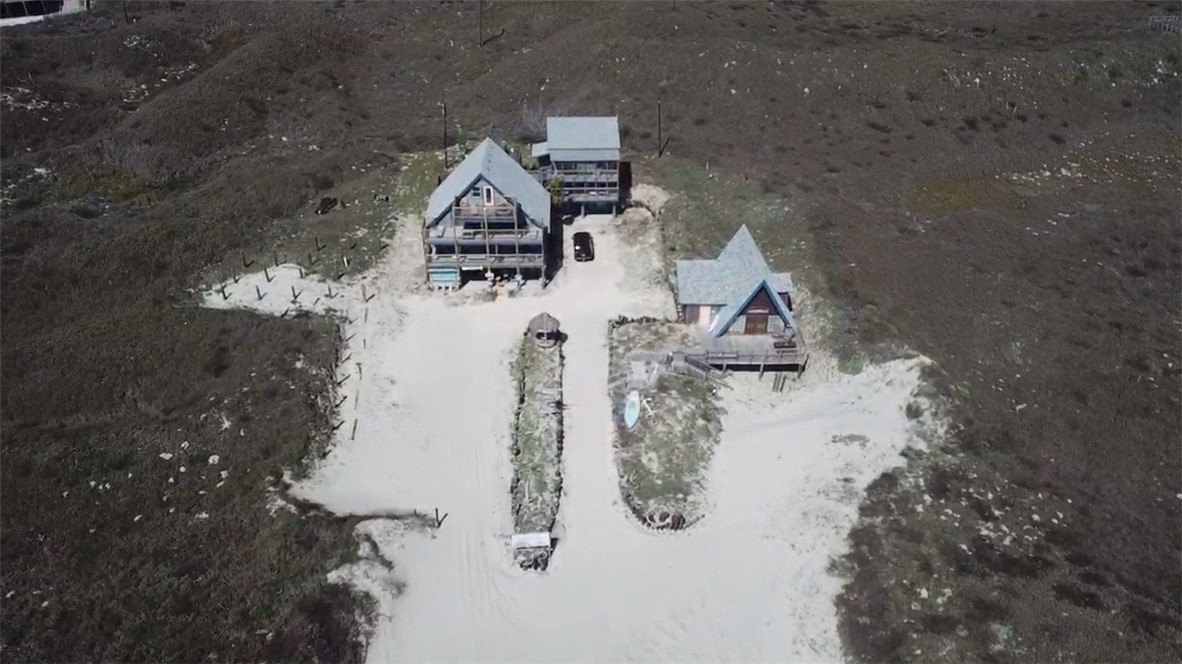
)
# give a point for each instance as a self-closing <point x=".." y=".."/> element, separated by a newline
<point x="708" y="358"/>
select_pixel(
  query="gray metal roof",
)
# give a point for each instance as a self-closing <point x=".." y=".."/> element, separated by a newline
<point x="543" y="322"/>
<point x="583" y="138"/>
<point x="489" y="162"/>
<point x="782" y="282"/>
<point x="730" y="280"/>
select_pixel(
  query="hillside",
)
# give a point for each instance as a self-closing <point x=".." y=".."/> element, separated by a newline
<point x="993" y="186"/>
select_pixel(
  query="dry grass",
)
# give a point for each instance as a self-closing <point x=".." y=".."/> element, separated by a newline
<point x="663" y="461"/>
<point x="90" y="286"/>
<point x="537" y="438"/>
<point x="946" y="196"/>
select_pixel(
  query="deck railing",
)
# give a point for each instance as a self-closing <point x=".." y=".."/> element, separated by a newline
<point x="721" y="354"/>
<point x="448" y="234"/>
<point x="598" y="175"/>
<point x="720" y="357"/>
<point x="486" y="259"/>
<point x="478" y="215"/>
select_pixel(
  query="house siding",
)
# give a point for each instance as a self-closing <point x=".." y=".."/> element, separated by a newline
<point x="707" y="314"/>
<point x="739" y="326"/>
<point x="760" y="305"/>
<point x="776" y="325"/>
<point x="473" y="201"/>
<point x="698" y="314"/>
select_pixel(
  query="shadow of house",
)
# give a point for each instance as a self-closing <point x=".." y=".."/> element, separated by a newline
<point x="488" y="218"/>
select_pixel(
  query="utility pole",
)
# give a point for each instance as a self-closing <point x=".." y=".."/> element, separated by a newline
<point x="660" y="140"/>
<point x="444" y="105"/>
<point x="480" y="4"/>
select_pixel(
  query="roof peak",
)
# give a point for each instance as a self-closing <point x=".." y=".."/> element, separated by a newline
<point x="742" y="246"/>
<point x="490" y="161"/>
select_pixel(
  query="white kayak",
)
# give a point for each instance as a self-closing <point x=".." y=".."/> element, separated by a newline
<point x="632" y="409"/>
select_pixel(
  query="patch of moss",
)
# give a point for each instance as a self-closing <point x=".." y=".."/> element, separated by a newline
<point x="965" y="194"/>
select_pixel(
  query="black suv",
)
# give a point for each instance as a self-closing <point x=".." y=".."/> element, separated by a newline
<point x="584" y="246"/>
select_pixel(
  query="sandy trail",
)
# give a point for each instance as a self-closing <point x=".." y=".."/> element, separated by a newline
<point x="434" y="404"/>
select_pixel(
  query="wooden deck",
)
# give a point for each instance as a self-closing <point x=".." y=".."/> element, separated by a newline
<point x="756" y="351"/>
<point x="584" y="186"/>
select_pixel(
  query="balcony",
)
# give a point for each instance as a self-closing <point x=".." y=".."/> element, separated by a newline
<point x="487" y="260"/>
<point x="596" y="176"/>
<point x="445" y="234"/>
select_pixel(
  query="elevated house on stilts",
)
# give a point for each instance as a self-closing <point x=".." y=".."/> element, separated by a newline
<point x="488" y="217"/>
<point x="580" y="158"/>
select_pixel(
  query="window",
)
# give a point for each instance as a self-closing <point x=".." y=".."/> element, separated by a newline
<point x="488" y="195"/>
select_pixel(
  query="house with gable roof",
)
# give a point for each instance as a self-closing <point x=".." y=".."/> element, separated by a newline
<point x="744" y="309"/>
<point x="488" y="216"/>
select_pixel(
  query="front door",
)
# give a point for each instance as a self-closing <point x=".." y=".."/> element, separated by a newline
<point x="705" y="315"/>
<point x="756" y="324"/>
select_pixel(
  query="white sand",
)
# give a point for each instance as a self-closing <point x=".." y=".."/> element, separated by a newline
<point x="22" y="20"/>
<point x="434" y="401"/>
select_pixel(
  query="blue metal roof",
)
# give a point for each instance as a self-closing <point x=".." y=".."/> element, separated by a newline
<point x="583" y="138"/>
<point x="492" y="164"/>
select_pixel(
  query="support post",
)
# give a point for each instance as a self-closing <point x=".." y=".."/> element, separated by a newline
<point x="517" y="234"/>
<point x="426" y="256"/>
<point x="455" y="235"/>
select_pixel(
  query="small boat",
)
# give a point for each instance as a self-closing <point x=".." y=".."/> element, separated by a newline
<point x="632" y="409"/>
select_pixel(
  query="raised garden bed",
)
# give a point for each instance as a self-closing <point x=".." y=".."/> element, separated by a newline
<point x="663" y="461"/>
<point x="537" y="446"/>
